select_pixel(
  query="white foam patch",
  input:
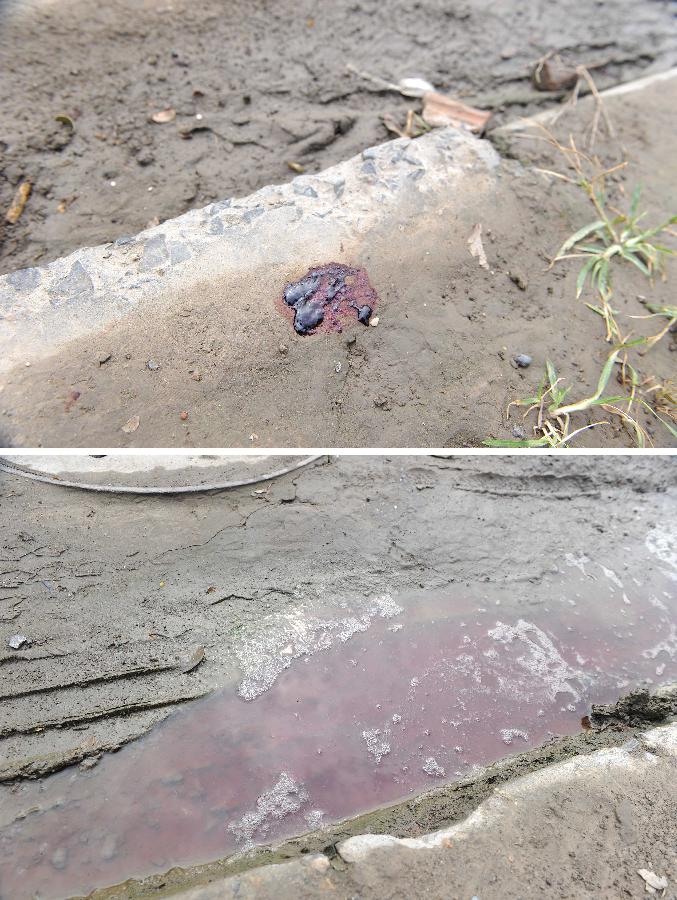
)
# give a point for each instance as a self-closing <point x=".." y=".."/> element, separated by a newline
<point x="508" y="735"/>
<point x="277" y="640"/>
<point x="669" y="646"/>
<point x="378" y="742"/>
<point x="541" y="671"/>
<point x="283" y="799"/>
<point x="314" y="818"/>
<point x="386" y="606"/>
<point x="433" y="768"/>
<point x="662" y="542"/>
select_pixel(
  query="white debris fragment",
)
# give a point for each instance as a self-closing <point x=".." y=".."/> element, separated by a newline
<point x="433" y="768"/>
<point x="476" y="247"/>
<point x="283" y="799"/>
<point x="652" y="882"/>
<point x="378" y="742"/>
<point x="17" y="641"/>
<point x="414" y="87"/>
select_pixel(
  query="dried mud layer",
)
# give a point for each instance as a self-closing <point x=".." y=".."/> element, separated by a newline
<point x="254" y="87"/>
<point x="117" y="592"/>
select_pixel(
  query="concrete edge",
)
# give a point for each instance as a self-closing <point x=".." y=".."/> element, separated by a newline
<point x="41" y="308"/>
<point x="649" y="745"/>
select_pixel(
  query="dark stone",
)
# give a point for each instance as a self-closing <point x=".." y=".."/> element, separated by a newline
<point x="155" y="253"/>
<point x="301" y="290"/>
<point x="73" y="285"/>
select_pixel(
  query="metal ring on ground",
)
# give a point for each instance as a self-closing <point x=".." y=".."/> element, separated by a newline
<point x="6" y="466"/>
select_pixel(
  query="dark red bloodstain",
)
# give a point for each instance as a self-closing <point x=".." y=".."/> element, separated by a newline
<point x="327" y="297"/>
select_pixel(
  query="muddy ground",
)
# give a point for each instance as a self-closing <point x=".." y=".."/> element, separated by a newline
<point x="439" y="370"/>
<point x="116" y="593"/>
<point x="271" y="84"/>
<point x="124" y="583"/>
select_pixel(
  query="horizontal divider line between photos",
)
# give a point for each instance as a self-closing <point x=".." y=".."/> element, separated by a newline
<point x="336" y="451"/>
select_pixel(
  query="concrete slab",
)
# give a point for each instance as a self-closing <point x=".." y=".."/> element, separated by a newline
<point x="153" y="473"/>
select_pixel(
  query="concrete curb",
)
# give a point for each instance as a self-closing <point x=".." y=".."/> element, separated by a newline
<point x="608" y="762"/>
<point x="43" y="308"/>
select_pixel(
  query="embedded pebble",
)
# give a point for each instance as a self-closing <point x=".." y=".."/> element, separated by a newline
<point x="17" y="641"/>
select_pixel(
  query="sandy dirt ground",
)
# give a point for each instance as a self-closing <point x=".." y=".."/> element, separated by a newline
<point x="270" y="83"/>
<point x="438" y="370"/>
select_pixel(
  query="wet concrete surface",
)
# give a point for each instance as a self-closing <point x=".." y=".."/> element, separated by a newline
<point x="431" y="686"/>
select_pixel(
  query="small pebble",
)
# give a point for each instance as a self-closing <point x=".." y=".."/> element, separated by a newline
<point x="518" y="279"/>
<point x="523" y="361"/>
<point x="183" y="415"/>
<point x="518" y="432"/>
<point x="17" y="641"/>
<point x="152" y="365"/>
